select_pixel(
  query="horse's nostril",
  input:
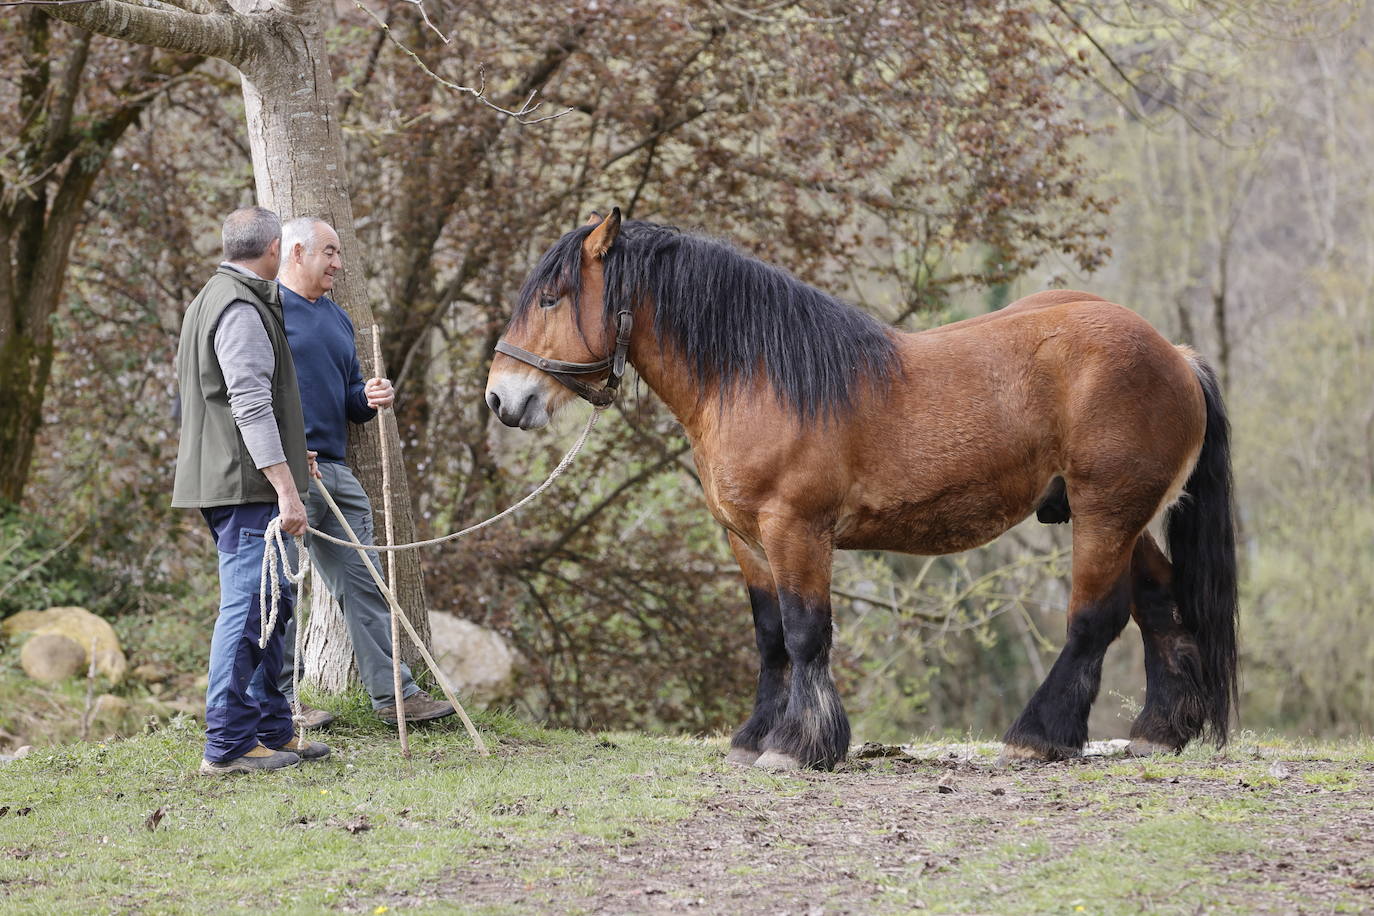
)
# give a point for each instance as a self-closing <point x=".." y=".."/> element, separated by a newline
<point x="494" y="401"/>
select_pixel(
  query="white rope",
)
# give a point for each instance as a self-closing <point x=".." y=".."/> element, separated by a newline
<point x="557" y="472"/>
<point x="274" y="552"/>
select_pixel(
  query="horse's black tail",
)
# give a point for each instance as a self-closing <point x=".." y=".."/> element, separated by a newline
<point x="1202" y="547"/>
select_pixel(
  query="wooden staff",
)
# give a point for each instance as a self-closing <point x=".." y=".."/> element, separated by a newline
<point x="391" y="555"/>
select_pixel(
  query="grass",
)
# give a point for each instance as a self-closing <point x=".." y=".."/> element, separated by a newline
<point x="1179" y="834"/>
<point x="559" y="822"/>
<point x="324" y="835"/>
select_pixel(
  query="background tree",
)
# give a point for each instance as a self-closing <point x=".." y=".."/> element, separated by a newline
<point x="69" y="99"/>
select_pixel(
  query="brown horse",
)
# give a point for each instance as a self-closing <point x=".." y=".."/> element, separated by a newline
<point x="815" y="427"/>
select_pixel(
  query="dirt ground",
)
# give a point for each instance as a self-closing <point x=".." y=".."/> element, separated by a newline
<point x="946" y="830"/>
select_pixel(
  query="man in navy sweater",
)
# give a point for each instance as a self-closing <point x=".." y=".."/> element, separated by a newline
<point x="333" y="394"/>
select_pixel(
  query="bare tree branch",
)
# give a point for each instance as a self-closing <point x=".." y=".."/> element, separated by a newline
<point x="420" y="5"/>
<point x="479" y="92"/>
<point x="223" y="35"/>
<point x="45" y="2"/>
<point x="67" y="91"/>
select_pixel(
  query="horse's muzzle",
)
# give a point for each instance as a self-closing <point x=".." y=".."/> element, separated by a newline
<point x="525" y="412"/>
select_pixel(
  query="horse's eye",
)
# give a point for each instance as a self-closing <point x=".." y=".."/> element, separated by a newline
<point x="547" y="301"/>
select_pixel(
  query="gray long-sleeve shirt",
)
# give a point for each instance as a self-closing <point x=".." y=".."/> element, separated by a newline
<point x="245" y="357"/>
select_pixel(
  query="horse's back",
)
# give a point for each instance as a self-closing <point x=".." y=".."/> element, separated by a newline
<point x="1032" y="303"/>
<point x="989" y="411"/>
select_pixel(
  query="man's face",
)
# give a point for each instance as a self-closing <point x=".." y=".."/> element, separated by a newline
<point x="317" y="267"/>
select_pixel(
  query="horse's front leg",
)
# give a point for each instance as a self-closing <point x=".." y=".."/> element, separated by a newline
<point x="770" y="702"/>
<point x="813" y="730"/>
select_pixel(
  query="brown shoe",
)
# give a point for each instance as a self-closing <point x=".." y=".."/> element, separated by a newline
<point x="307" y="750"/>
<point x="420" y="708"/>
<point x="312" y="718"/>
<point x="255" y="761"/>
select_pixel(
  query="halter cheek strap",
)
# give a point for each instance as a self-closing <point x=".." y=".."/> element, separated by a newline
<point x="566" y="373"/>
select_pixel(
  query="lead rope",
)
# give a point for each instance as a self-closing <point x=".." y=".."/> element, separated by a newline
<point x="274" y="553"/>
<point x="274" y="549"/>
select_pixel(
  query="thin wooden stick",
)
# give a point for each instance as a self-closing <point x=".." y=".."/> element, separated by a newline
<point x="400" y="615"/>
<point x="390" y="557"/>
<point x="90" y="694"/>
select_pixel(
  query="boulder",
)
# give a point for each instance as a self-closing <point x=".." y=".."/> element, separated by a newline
<point x="477" y="660"/>
<point x="109" y="708"/>
<point x="151" y="673"/>
<point x="50" y="657"/>
<point x="80" y="626"/>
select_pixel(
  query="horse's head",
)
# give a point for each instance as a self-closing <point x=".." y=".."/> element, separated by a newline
<point x="559" y="338"/>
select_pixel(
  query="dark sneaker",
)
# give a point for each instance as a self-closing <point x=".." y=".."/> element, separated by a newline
<point x="259" y="759"/>
<point x="312" y="718"/>
<point x="306" y="750"/>
<point x="420" y="708"/>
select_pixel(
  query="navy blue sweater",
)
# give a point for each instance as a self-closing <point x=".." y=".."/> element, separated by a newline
<point x="322" y="347"/>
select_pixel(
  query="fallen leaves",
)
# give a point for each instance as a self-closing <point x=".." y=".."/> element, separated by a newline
<point x="155" y="818"/>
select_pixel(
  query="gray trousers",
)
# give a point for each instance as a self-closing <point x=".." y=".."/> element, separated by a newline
<point x="365" y="611"/>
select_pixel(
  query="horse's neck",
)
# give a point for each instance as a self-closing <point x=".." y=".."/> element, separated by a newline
<point x="666" y="374"/>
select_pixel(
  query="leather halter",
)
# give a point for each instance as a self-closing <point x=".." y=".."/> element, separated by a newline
<point x="567" y="373"/>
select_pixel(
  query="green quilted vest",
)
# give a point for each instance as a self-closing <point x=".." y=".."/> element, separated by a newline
<point x="213" y="464"/>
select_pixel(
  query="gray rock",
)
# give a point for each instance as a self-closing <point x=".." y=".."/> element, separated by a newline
<point x="109" y="708"/>
<point x="477" y="660"/>
<point x="51" y="657"/>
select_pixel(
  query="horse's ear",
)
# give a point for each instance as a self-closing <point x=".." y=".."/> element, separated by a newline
<point x="603" y="236"/>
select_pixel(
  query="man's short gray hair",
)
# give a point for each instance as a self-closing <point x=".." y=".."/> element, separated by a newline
<point x="299" y="231"/>
<point x="249" y="232"/>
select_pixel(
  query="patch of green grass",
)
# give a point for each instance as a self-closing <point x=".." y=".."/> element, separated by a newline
<point x="1164" y="850"/>
<point x="1102" y="876"/>
<point x="1340" y="780"/>
<point x="354" y="827"/>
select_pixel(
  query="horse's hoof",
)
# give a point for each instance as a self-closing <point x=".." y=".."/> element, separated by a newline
<point x="742" y="756"/>
<point x="1144" y="747"/>
<point x="1020" y="753"/>
<point x="774" y="760"/>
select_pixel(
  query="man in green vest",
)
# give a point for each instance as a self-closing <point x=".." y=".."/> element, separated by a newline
<point x="242" y="461"/>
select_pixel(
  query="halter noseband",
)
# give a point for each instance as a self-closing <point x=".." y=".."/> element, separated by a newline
<point x="567" y="372"/>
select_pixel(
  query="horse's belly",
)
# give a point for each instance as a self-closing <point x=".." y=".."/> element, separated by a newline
<point x="945" y="524"/>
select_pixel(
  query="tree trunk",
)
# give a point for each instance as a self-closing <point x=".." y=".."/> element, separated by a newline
<point x="326" y="651"/>
<point x="300" y="171"/>
<point x="46" y="175"/>
<point x="25" y="363"/>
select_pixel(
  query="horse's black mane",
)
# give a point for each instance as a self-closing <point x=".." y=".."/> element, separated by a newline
<point x="730" y="315"/>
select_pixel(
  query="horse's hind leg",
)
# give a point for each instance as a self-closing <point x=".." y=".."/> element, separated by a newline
<point x="1054" y="724"/>
<point x="813" y="730"/>
<point x="770" y="702"/>
<point x="1175" y="705"/>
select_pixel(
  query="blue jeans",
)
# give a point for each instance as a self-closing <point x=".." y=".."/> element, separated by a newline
<point x="242" y="703"/>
